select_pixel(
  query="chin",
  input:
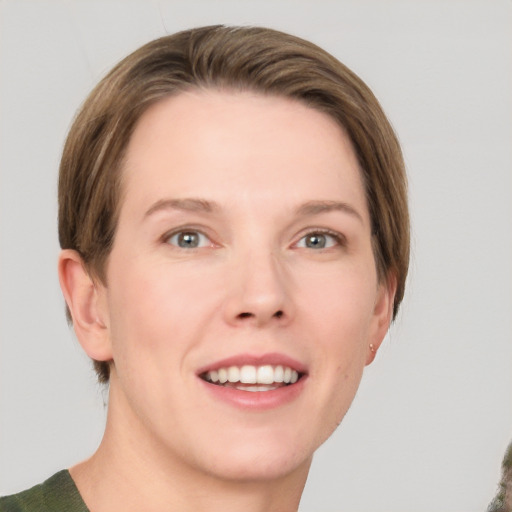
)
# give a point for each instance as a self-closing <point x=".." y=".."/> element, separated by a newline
<point x="259" y="468"/>
<point x="245" y="456"/>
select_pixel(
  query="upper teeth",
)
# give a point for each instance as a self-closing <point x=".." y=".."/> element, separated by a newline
<point x="248" y="374"/>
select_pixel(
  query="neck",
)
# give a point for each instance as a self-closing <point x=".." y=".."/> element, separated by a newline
<point x="132" y="471"/>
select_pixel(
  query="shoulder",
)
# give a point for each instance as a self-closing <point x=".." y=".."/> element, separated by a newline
<point x="57" y="494"/>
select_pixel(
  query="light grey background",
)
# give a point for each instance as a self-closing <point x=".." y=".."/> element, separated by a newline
<point x="433" y="416"/>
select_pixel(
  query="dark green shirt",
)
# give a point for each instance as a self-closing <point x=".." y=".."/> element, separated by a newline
<point x="57" y="494"/>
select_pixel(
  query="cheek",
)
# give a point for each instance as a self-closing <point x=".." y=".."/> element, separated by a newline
<point x="155" y="313"/>
<point x="157" y="307"/>
<point x="340" y="312"/>
<point x="340" y="303"/>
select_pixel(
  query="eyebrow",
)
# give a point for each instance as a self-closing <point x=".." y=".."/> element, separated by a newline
<point x="187" y="204"/>
<point x="204" y="206"/>
<point x="317" y="207"/>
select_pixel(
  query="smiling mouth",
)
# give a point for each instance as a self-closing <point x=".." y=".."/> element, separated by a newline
<point x="253" y="378"/>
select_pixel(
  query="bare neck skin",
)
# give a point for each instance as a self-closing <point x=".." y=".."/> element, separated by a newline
<point x="131" y="472"/>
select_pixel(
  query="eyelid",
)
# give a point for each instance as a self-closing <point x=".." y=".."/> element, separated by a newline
<point x="340" y="238"/>
<point x="186" y="229"/>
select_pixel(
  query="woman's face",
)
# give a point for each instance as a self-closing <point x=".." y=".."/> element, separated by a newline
<point x="243" y="252"/>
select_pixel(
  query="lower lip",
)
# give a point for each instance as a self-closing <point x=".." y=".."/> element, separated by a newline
<point x="256" y="400"/>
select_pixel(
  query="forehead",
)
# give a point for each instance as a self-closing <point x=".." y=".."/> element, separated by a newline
<point x="232" y="144"/>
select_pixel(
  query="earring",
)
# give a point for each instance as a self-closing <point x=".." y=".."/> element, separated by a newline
<point x="372" y="348"/>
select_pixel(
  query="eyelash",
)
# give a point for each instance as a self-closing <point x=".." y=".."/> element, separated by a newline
<point x="182" y="231"/>
<point x="339" y="239"/>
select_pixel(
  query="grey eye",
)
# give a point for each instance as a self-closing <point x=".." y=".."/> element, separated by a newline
<point x="318" y="241"/>
<point x="189" y="240"/>
<point x="315" y="241"/>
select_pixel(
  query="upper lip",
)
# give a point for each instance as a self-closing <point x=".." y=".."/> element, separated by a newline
<point x="273" y="359"/>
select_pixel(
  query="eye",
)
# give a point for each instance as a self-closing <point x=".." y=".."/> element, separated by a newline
<point x="189" y="240"/>
<point x="319" y="240"/>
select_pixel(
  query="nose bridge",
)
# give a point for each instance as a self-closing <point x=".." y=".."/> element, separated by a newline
<point x="259" y="289"/>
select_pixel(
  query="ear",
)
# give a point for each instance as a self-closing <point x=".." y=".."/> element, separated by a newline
<point x="87" y="304"/>
<point x="382" y="315"/>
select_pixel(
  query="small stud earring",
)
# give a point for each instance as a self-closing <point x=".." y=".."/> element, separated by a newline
<point x="372" y="348"/>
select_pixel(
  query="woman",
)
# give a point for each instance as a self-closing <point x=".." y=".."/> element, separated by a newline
<point x="234" y="226"/>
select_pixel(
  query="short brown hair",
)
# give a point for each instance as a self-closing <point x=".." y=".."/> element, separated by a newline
<point x="236" y="58"/>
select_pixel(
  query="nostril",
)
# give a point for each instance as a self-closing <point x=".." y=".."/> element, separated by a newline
<point x="245" y="314"/>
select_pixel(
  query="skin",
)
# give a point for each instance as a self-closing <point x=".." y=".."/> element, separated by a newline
<point x="254" y="285"/>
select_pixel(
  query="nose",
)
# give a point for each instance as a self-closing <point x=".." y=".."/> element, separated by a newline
<point x="258" y="291"/>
